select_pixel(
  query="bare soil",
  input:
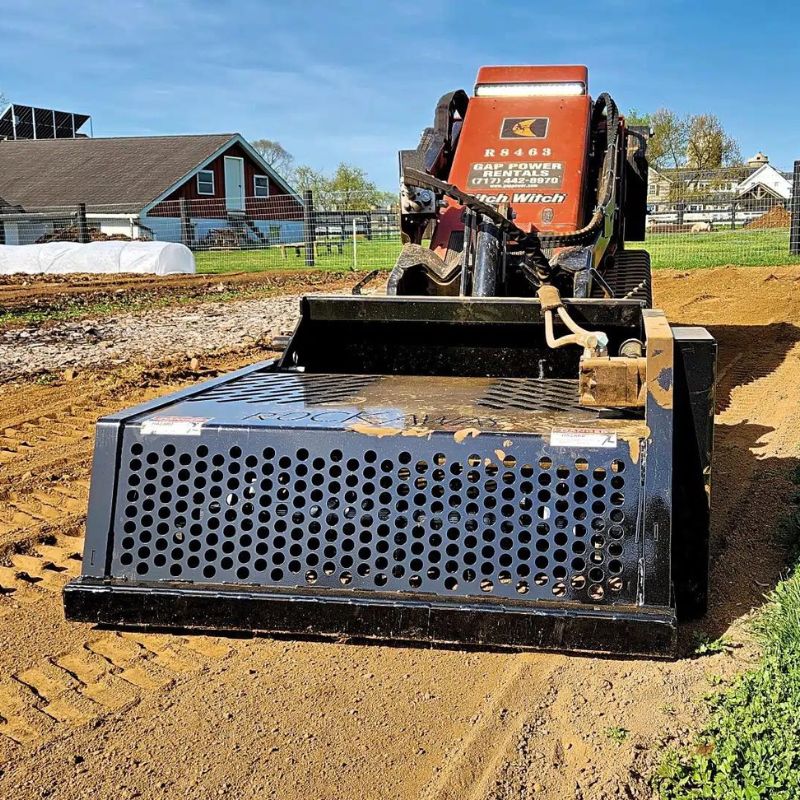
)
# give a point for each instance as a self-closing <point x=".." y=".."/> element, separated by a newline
<point x="144" y="337"/>
<point x="56" y="292"/>
<point x="776" y="217"/>
<point x="90" y="713"/>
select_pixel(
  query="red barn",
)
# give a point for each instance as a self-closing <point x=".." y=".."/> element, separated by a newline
<point x="137" y="185"/>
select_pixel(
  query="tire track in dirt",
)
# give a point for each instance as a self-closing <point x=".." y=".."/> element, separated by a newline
<point x="47" y="567"/>
<point x="471" y="765"/>
<point x="44" y="461"/>
<point x="63" y="425"/>
<point x="46" y="436"/>
<point x="104" y="674"/>
<point x="100" y="673"/>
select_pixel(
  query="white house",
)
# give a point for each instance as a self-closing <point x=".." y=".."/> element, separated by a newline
<point x="731" y="195"/>
<point x="766" y="182"/>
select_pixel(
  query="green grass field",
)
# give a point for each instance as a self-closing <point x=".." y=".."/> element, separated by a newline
<point x="369" y="255"/>
<point x="741" y="248"/>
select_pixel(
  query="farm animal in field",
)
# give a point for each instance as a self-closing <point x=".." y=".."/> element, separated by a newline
<point x="702" y="227"/>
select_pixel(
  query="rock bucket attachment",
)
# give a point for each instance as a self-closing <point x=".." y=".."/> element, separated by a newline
<point x="413" y="470"/>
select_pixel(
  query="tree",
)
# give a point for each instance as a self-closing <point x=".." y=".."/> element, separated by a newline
<point x="348" y="189"/>
<point x="388" y="199"/>
<point x="352" y="190"/>
<point x="667" y="145"/>
<point x="636" y="117"/>
<point x="306" y="178"/>
<point x="709" y="147"/>
<point x="697" y="142"/>
<point x="277" y="156"/>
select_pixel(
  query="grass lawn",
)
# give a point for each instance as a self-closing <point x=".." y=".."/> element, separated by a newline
<point x="369" y="255"/>
<point x="743" y="248"/>
<point x="721" y="248"/>
<point x="750" y="748"/>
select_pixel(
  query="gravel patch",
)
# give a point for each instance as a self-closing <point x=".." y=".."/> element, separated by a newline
<point x="143" y="336"/>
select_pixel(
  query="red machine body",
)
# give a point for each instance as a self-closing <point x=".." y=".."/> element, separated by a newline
<point x="524" y="143"/>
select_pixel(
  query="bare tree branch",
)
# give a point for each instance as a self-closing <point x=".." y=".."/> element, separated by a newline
<point x="275" y="155"/>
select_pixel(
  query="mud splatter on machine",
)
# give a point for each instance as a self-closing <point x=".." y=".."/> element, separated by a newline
<point x="510" y="448"/>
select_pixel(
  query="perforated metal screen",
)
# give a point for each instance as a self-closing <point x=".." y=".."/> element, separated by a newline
<point x="552" y="394"/>
<point x="284" y="389"/>
<point x="400" y="514"/>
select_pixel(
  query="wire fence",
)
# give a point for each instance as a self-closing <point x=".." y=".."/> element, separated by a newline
<point x="739" y="216"/>
<point x="227" y="235"/>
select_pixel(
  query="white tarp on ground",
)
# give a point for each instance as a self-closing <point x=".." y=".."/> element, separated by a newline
<point x="59" y="258"/>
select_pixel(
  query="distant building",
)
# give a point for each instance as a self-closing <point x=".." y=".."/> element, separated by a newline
<point x="134" y="186"/>
<point x="736" y="194"/>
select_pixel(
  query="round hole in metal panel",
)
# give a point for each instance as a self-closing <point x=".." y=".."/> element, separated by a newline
<point x="596" y="592"/>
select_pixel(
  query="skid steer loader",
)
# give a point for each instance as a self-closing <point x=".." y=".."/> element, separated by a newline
<point x="510" y="448"/>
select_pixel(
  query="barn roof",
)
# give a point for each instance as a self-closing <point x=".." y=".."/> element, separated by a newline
<point x="125" y="172"/>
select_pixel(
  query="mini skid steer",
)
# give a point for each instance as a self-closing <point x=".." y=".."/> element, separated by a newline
<point x="509" y="448"/>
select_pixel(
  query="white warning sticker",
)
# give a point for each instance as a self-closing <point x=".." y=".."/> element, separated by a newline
<point x="173" y="426"/>
<point x="582" y="437"/>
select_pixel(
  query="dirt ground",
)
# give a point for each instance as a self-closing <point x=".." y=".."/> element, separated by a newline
<point x="91" y="713"/>
<point x="23" y="292"/>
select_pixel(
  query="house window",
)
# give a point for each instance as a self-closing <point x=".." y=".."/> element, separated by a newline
<point x="205" y="181"/>
<point x="261" y="186"/>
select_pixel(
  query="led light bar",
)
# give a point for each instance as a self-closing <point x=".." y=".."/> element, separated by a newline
<point x="560" y="89"/>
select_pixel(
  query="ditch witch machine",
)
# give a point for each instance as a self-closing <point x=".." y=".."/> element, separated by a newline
<point x="510" y="447"/>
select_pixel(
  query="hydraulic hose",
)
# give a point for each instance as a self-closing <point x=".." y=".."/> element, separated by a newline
<point x="605" y="103"/>
<point x="591" y="341"/>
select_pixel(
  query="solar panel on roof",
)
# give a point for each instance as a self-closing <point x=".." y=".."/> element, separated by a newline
<point x="32" y="122"/>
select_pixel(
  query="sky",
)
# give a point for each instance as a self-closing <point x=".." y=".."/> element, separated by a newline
<point x="356" y="81"/>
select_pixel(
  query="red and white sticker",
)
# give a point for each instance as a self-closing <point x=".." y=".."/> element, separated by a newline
<point x="173" y="426"/>
<point x="582" y="437"/>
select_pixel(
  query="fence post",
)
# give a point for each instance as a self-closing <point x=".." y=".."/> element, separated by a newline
<point x="83" y="225"/>
<point x="186" y="224"/>
<point x="680" y="208"/>
<point x="733" y="215"/>
<point x="368" y="229"/>
<point x="308" y="226"/>
<point x="355" y="246"/>
<point x="794" y="231"/>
